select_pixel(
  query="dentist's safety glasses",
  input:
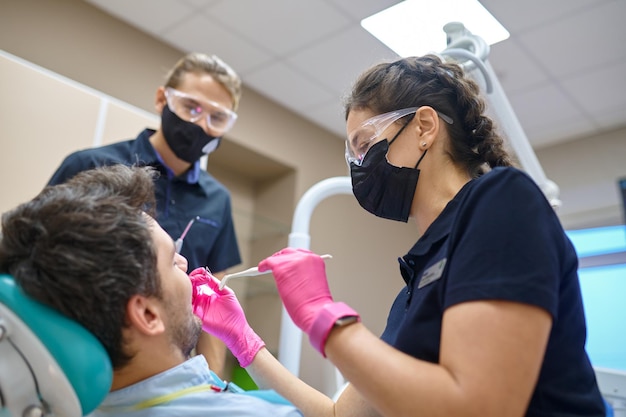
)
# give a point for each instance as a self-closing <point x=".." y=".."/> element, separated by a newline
<point x="191" y="109"/>
<point x="361" y="139"/>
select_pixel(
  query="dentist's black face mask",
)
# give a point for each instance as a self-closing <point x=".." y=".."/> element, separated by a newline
<point x="187" y="140"/>
<point x="382" y="189"/>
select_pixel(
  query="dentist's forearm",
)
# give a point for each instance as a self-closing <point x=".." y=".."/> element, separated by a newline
<point x="268" y="373"/>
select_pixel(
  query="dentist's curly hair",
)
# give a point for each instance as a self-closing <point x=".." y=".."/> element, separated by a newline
<point x="429" y="81"/>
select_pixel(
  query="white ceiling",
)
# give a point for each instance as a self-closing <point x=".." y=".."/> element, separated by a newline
<point x="562" y="69"/>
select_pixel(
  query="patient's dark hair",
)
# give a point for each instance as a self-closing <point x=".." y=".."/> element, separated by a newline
<point x="84" y="248"/>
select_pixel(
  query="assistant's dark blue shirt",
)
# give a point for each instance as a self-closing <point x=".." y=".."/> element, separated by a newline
<point x="211" y="240"/>
<point x="499" y="239"/>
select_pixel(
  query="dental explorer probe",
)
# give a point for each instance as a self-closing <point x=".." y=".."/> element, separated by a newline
<point x="179" y="242"/>
<point x="251" y="272"/>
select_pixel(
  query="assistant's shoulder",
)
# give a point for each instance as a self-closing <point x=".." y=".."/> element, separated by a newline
<point x="118" y="152"/>
<point x="84" y="159"/>
<point x="211" y="185"/>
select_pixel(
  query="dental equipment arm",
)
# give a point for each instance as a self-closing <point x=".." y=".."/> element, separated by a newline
<point x="223" y="317"/>
<point x="290" y="343"/>
<point x="471" y="52"/>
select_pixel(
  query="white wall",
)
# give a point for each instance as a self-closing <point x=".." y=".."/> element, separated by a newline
<point x="587" y="171"/>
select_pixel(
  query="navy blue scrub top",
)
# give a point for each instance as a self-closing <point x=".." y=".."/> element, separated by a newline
<point x="211" y="240"/>
<point x="499" y="239"/>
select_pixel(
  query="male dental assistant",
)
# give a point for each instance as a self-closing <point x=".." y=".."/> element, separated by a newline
<point x="197" y="104"/>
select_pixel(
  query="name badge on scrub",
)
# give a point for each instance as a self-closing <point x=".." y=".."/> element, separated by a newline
<point x="433" y="273"/>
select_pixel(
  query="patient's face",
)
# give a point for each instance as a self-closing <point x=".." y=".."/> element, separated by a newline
<point x="182" y="325"/>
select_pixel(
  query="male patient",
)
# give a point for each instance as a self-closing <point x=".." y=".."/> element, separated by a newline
<point x="89" y="249"/>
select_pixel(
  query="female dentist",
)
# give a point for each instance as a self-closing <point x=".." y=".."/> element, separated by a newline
<point x="490" y="322"/>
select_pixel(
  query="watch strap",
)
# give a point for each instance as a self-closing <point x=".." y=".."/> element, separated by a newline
<point x="325" y="321"/>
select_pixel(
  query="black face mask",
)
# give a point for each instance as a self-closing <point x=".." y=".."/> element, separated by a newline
<point x="382" y="189"/>
<point x="187" y="140"/>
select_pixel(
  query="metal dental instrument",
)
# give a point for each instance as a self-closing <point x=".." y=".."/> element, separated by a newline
<point x="251" y="272"/>
<point x="179" y="242"/>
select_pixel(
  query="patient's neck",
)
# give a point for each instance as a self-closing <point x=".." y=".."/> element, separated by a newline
<point x="145" y="364"/>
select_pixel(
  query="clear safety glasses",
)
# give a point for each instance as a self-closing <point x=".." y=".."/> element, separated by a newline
<point x="219" y="119"/>
<point x="361" y="139"/>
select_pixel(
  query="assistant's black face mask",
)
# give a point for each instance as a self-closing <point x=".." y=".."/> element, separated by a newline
<point x="382" y="189"/>
<point x="187" y="140"/>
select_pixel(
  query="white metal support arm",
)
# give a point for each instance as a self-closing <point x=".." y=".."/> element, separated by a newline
<point x="471" y="52"/>
<point x="290" y="343"/>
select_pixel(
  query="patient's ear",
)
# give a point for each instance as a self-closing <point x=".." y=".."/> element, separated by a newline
<point x="145" y="315"/>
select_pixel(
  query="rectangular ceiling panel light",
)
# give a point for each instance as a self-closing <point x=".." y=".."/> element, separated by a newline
<point x="415" y="27"/>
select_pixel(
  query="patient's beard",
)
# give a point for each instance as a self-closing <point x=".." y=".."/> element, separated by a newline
<point x="184" y="331"/>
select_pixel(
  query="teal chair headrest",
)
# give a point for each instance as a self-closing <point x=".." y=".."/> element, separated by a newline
<point x="78" y="353"/>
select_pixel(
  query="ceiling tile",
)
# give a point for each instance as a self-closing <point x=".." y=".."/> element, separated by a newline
<point x="553" y="133"/>
<point x="543" y="103"/>
<point x="516" y="16"/>
<point x="580" y="41"/>
<point x="360" y="9"/>
<point x="287" y="87"/>
<point x="598" y="91"/>
<point x="148" y="15"/>
<point x="516" y="71"/>
<point x="281" y="25"/>
<point x="203" y="35"/>
<point x="546" y="114"/>
<point x="337" y="62"/>
<point x="199" y="4"/>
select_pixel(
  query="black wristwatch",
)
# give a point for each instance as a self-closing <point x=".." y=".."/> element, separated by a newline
<point x="344" y="321"/>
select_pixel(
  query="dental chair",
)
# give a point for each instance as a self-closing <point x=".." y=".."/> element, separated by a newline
<point x="49" y="364"/>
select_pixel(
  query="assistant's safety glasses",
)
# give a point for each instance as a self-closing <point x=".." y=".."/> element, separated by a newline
<point x="219" y="119"/>
<point x="361" y="139"/>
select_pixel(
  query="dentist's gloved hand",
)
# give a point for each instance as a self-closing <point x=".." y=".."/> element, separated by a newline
<point x="300" y="277"/>
<point x="223" y="317"/>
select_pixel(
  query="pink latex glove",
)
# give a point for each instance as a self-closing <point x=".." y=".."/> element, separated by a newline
<point x="301" y="281"/>
<point x="223" y="317"/>
<point x="300" y="277"/>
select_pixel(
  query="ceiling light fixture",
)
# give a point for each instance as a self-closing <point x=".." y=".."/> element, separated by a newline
<point x="415" y="27"/>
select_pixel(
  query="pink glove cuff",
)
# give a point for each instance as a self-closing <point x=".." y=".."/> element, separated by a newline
<point x="325" y="321"/>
